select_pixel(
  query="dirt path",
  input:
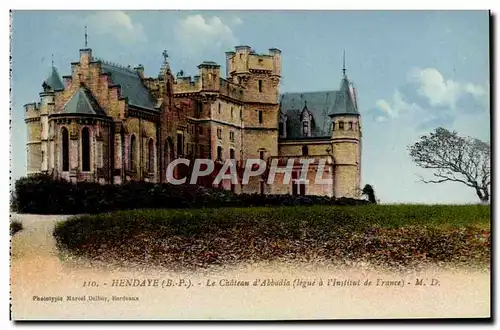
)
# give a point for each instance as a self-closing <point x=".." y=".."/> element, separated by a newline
<point x="37" y="271"/>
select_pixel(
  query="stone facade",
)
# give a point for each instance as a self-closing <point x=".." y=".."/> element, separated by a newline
<point x="111" y="124"/>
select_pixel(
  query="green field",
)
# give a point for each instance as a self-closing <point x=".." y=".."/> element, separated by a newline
<point x="388" y="234"/>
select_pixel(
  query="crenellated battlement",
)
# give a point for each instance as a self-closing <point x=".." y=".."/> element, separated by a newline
<point x="32" y="110"/>
<point x="245" y="60"/>
<point x="187" y="84"/>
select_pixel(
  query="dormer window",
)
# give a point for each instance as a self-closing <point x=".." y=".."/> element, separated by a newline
<point x="305" y="128"/>
<point x="282" y="129"/>
<point x="282" y="126"/>
<point x="307" y="125"/>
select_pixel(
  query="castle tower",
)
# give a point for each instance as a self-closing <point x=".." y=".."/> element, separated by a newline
<point x="36" y="118"/>
<point x="210" y="74"/>
<point x="259" y="75"/>
<point x="346" y="140"/>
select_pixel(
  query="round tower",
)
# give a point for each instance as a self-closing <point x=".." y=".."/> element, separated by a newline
<point x="346" y="141"/>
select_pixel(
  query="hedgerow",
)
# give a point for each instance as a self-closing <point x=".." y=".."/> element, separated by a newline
<point x="41" y="194"/>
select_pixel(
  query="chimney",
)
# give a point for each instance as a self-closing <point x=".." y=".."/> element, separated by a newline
<point x="140" y="70"/>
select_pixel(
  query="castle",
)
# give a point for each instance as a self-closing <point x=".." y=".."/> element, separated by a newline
<point x="110" y="124"/>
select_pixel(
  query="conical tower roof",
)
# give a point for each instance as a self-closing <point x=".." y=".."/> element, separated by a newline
<point x="345" y="104"/>
<point x="53" y="81"/>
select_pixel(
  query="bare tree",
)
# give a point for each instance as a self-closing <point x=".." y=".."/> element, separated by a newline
<point x="456" y="159"/>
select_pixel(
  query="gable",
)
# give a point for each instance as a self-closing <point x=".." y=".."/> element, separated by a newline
<point x="132" y="86"/>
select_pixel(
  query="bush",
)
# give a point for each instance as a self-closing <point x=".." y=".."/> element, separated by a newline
<point x="15" y="226"/>
<point x="369" y="193"/>
<point x="41" y="194"/>
<point x="385" y="235"/>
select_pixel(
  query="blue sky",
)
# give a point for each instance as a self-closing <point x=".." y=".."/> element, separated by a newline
<point x="413" y="70"/>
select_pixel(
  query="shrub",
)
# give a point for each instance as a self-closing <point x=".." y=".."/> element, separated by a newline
<point x="369" y="192"/>
<point x="15" y="226"/>
<point x="41" y="194"/>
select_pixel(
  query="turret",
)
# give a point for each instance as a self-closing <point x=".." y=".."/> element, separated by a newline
<point x="210" y="74"/>
<point x="346" y="140"/>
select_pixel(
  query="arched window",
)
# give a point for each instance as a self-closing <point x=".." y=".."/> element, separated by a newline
<point x="305" y="150"/>
<point x="85" y="149"/>
<point x="65" y="149"/>
<point x="132" y="153"/>
<point x="151" y="154"/>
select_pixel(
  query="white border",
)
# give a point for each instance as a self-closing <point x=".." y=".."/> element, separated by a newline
<point x="185" y="4"/>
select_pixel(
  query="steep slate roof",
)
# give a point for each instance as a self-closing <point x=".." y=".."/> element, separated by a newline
<point x="54" y="81"/>
<point x="321" y="104"/>
<point x="318" y="103"/>
<point x="132" y="86"/>
<point x="82" y="102"/>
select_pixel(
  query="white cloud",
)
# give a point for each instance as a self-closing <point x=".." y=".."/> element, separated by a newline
<point x="441" y="92"/>
<point x="118" y="24"/>
<point x="438" y="91"/>
<point x="395" y="106"/>
<point x="195" y="33"/>
<point x="237" y="20"/>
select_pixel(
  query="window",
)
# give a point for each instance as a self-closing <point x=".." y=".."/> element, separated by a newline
<point x="200" y="130"/>
<point x="261" y="154"/>
<point x="294" y="183"/>
<point x="200" y="107"/>
<point x="151" y="156"/>
<point x="132" y="153"/>
<point x="305" y="151"/>
<point x="241" y="114"/>
<point x="219" y="107"/>
<point x="355" y="125"/>
<point x="302" y="188"/>
<point x="341" y="124"/>
<point x="202" y="151"/>
<point x="65" y="149"/>
<point x="350" y="125"/>
<point x="231" y="136"/>
<point x="305" y="128"/>
<point x="282" y="129"/>
<point x="180" y="144"/>
<point x="219" y="153"/>
<point x="232" y="113"/>
<point x="85" y="149"/>
<point x="219" y="133"/>
<point x="260" y="117"/>
<point x="333" y="126"/>
<point x="260" y="86"/>
<point x="232" y="154"/>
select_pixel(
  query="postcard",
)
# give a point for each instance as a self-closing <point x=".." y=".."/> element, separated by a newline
<point x="250" y="165"/>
